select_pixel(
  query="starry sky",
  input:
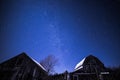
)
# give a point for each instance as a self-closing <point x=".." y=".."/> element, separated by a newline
<point x="68" y="29"/>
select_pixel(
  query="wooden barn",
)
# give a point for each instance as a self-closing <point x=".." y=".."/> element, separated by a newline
<point x="89" y="68"/>
<point x="22" y="67"/>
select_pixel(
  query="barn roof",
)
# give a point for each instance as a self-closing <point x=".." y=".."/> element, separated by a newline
<point x="25" y="56"/>
<point x="88" y="60"/>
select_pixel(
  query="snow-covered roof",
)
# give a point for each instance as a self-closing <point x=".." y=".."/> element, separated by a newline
<point x="92" y="60"/>
<point x="38" y="64"/>
<point x="80" y="64"/>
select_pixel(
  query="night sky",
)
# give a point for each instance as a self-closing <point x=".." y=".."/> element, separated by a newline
<point x="68" y="29"/>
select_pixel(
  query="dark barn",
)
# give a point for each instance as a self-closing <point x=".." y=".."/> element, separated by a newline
<point x="90" y="68"/>
<point x="22" y="67"/>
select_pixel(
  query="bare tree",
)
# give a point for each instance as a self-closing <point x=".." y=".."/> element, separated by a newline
<point x="49" y="63"/>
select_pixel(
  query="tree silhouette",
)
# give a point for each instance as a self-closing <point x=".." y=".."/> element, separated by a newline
<point x="49" y="63"/>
